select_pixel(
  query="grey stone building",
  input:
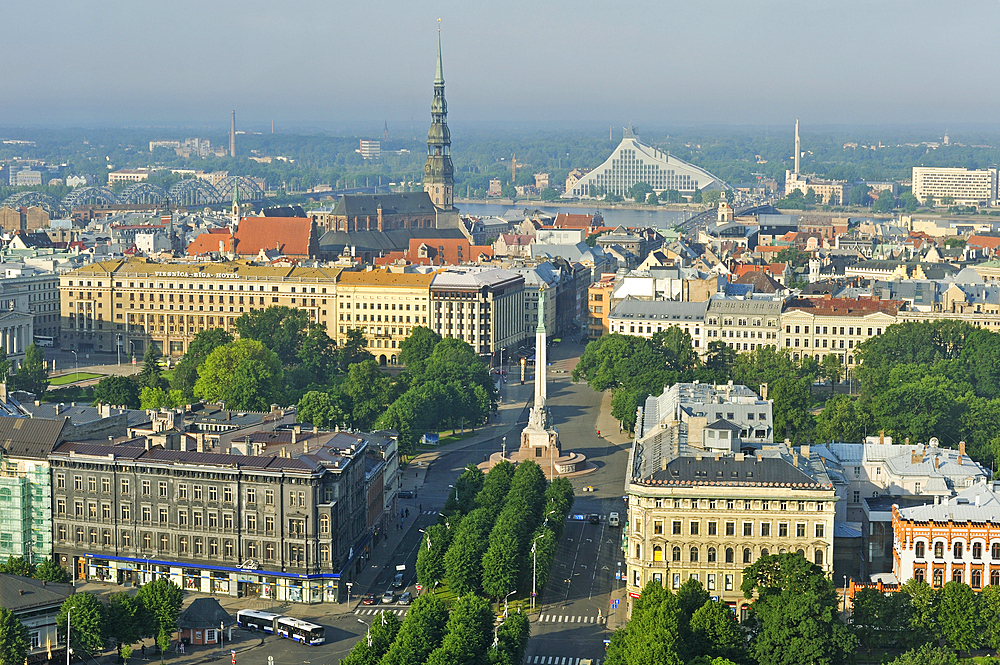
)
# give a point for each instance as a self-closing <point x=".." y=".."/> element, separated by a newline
<point x="286" y="527"/>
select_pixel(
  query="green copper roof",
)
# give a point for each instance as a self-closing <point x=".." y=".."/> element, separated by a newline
<point x="439" y="76"/>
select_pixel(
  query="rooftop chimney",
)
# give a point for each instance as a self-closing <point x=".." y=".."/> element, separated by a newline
<point x="804" y="450"/>
<point x="881" y="436"/>
<point x="936" y="461"/>
<point x="961" y="447"/>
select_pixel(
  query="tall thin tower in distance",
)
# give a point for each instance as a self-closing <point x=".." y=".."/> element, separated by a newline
<point x="232" y="134"/>
<point x="798" y="147"/>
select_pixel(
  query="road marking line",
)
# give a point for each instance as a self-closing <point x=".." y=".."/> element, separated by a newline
<point x="561" y="618"/>
<point x="357" y="611"/>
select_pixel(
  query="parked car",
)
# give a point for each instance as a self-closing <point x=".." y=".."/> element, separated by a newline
<point x="369" y="599"/>
<point x="397" y="581"/>
<point x="405" y="494"/>
<point x="388" y="597"/>
<point x="406" y="598"/>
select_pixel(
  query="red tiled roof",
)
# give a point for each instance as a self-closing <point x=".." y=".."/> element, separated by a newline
<point x="987" y="242"/>
<point x="206" y="243"/>
<point x="565" y="220"/>
<point x="441" y="251"/>
<point x="289" y="235"/>
<point x="827" y="306"/>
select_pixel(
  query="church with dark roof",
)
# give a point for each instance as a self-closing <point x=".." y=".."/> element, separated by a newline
<point x="370" y="224"/>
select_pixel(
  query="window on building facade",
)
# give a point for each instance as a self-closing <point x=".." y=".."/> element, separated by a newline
<point x="747" y="555"/>
<point x="918" y="549"/>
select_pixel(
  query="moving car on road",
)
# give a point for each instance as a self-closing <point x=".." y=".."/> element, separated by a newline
<point x="369" y="599"/>
<point x="388" y="597"/>
<point x="406" y="598"/>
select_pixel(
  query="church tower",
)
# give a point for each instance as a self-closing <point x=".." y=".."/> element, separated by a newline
<point x="439" y="173"/>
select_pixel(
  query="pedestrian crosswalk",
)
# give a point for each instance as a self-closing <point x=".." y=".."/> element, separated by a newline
<point x="371" y="611"/>
<point x="556" y="660"/>
<point x="568" y="618"/>
<point x="431" y="512"/>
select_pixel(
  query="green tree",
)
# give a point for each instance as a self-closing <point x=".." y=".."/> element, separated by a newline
<point x="886" y="202"/>
<point x="832" y="368"/>
<point x="50" y="571"/>
<point x="243" y="374"/>
<point x="13" y="639"/>
<point x="795" y="611"/>
<point x="652" y="637"/>
<point x="508" y="192"/>
<point x="118" y="391"/>
<point x="4" y="366"/>
<point x="927" y="654"/>
<point x="32" y="376"/>
<point x="86" y="623"/>
<point x="420" y="634"/>
<point x="149" y="376"/>
<point x="549" y="194"/>
<point x="651" y="199"/>
<point x="512" y="640"/>
<point x="501" y="562"/>
<point x="280" y="329"/>
<point x="881" y="620"/>
<point x="469" y="633"/>
<point x="382" y="631"/>
<point x="464" y="558"/>
<point x="716" y="633"/>
<point x="156" y="398"/>
<point x="161" y="600"/>
<point x="126" y="653"/>
<point x="989" y="612"/>
<point x="430" y="557"/>
<point x="690" y="597"/>
<point x="923" y="601"/>
<point x="958" y="617"/>
<point x="793" y="256"/>
<point x="324" y="409"/>
<point x="354" y="349"/>
<point x="370" y="392"/>
<point x="720" y="360"/>
<point x="18" y="565"/>
<point x="417" y="348"/>
<point x="858" y="196"/>
<point x="639" y="191"/>
<point x="909" y="202"/>
<point x="203" y="343"/>
<point x="125" y="618"/>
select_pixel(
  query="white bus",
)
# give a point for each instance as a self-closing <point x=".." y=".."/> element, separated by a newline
<point x="255" y="620"/>
<point x="300" y="631"/>
<point x="44" y="340"/>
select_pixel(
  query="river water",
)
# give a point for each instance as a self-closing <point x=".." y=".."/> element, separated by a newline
<point x="657" y="219"/>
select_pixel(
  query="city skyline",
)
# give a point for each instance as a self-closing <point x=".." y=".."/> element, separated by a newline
<point x="576" y="64"/>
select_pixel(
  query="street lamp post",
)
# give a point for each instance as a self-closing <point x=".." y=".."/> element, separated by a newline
<point x="118" y="349"/>
<point x="503" y="454"/>
<point x="69" y="612"/>
<point x="222" y="627"/>
<point x="76" y="358"/>
<point x="369" y="631"/>
<point x="534" y="568"/>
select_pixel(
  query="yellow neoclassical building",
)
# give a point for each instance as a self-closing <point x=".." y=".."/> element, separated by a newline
<point x="129" y="304"/>
<point x="385" y="305"/>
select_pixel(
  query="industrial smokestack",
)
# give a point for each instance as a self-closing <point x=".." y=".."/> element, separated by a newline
<point x="232" y="138"/>
<point x="798" y="146"/>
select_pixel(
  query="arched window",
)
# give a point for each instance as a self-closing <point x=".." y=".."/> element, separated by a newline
<point x="801" y="553"/>
<point x="918" y="574"/>
<point x="938" y="550"/>
<point x="324" y="524"/>
<point x="747" y="555"/>
<point x="694" y="555"/>
<point x="977" y="551"/>
<point x="675" y="554"/>
<point x="711" y="555"/>
<point x="657" y="553"/>
<point x="638" y="551"/>
<point x="819" y="557"/>
<point x="995" y="577"/>
<point x="956" y="575"/>
<point x="977" y="579"/>
<point x="938" y="578"/>
<point x="730" y="555"/>
<point x="956" y="551"/>
<point x="763" y="551"/>
<point x="918" y="549"/>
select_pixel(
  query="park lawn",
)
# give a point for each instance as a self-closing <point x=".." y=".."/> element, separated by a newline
<point x="73" y="377"/>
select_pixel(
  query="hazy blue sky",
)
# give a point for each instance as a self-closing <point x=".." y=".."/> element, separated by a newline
<point x="652" y="62"/>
